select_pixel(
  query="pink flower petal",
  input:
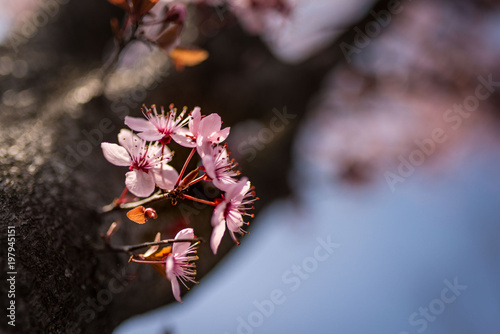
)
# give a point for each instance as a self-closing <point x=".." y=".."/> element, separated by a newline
<point x="219" y="226"/>
<point x="234" y="221"/>
<point x="138" y="124"/>
<point x="170" y="267"/>
<point x="207" y="159"/>
<point x="194" y="122"/>
<point x="220" y="136"/>
<point x="176" y="290"/>
<point x="129" y="140"/>
<point x="165" y="177"/>
<point x="181" y="247"/>
<point x="140" y="183"/>
<point x="239" y="189"/>
<point x="151" y="135"/>
<point x="170" y="273"/>
<point x="183" y="137"/>
<point x="233" y="236"/>
<point x="223" y="183"/>
<point x="116" y="154"/>
<point x="210" y="124"/>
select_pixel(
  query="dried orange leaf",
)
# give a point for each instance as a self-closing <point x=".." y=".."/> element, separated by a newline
<point x="137" y="215"/>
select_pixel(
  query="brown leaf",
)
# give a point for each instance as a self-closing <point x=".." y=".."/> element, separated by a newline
<point x="137" y="215"/>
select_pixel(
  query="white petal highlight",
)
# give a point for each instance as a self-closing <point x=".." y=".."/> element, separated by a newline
<point x="194" y="122"/>
<point x="140" y="183"/>
<point x="165" y="176"/>
<point x="184" y="138"/>
<point x="171" y="276"/>
<point x="238" y="190"/>
<point x="221" y="135"/>
<point x="151" y="135"/>
<point x="138" y="124"/>
<point x="210" y="124"/>
<point x="127" y="139"/>
<point x="181" y="247"/>
<point x="116" y="154"/>
<point x="219" y="226"/>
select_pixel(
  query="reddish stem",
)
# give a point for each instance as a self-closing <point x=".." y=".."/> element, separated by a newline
<point x="185" y="166"/>
<point x="197" y="200"/>
<point x="121" y="199"/>
<point x="145" y="261"/>
<point x="196" y="180"/>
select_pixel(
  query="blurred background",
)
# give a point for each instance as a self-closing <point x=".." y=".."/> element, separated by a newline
<point x="369" y="128"/>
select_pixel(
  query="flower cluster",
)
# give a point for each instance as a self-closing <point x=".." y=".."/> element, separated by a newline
<point x="144" y="150"/>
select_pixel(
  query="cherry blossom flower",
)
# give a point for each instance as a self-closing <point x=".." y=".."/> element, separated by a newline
<point x="209" y="131"/>
<point x="230" y="212"/>
<point x="161" y="127"/>
<point x="218" y="166"/>
<point x="205" y="131"/>
<point x="147" y="163"/>
<point x="193" y="125"/>
<point x="154" y="256"/>
<point x="179" y="264"/>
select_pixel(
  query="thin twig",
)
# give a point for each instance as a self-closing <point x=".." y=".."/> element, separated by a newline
<point x="130" y="205"/>
<point x="130" y="248"/>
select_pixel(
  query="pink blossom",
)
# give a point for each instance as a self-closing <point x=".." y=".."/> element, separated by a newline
<point x="161" y="127"/>
<point x="147" y="163"/>
<point x="206" y="130"/>
<point x="230" y="212"/>
<point x="209" y="131"/>
<point x="194" y="125"/>
<point x="218" y="166"/>
<point x="179" y="264"/>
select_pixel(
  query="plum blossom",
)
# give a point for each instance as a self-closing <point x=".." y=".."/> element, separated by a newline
<point x="176" y="262"/>
<point x="210" y="132"/>
<point x="147" y="163"/>
<point x="154" y="256"/>
<point x="161" y="127"/>
<point x="218" y="166"/>
<point x="193" y="125"/>
<point x="205" y="131"/>
<point x="179" y="264"/>
<point x="230" y="212"/>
